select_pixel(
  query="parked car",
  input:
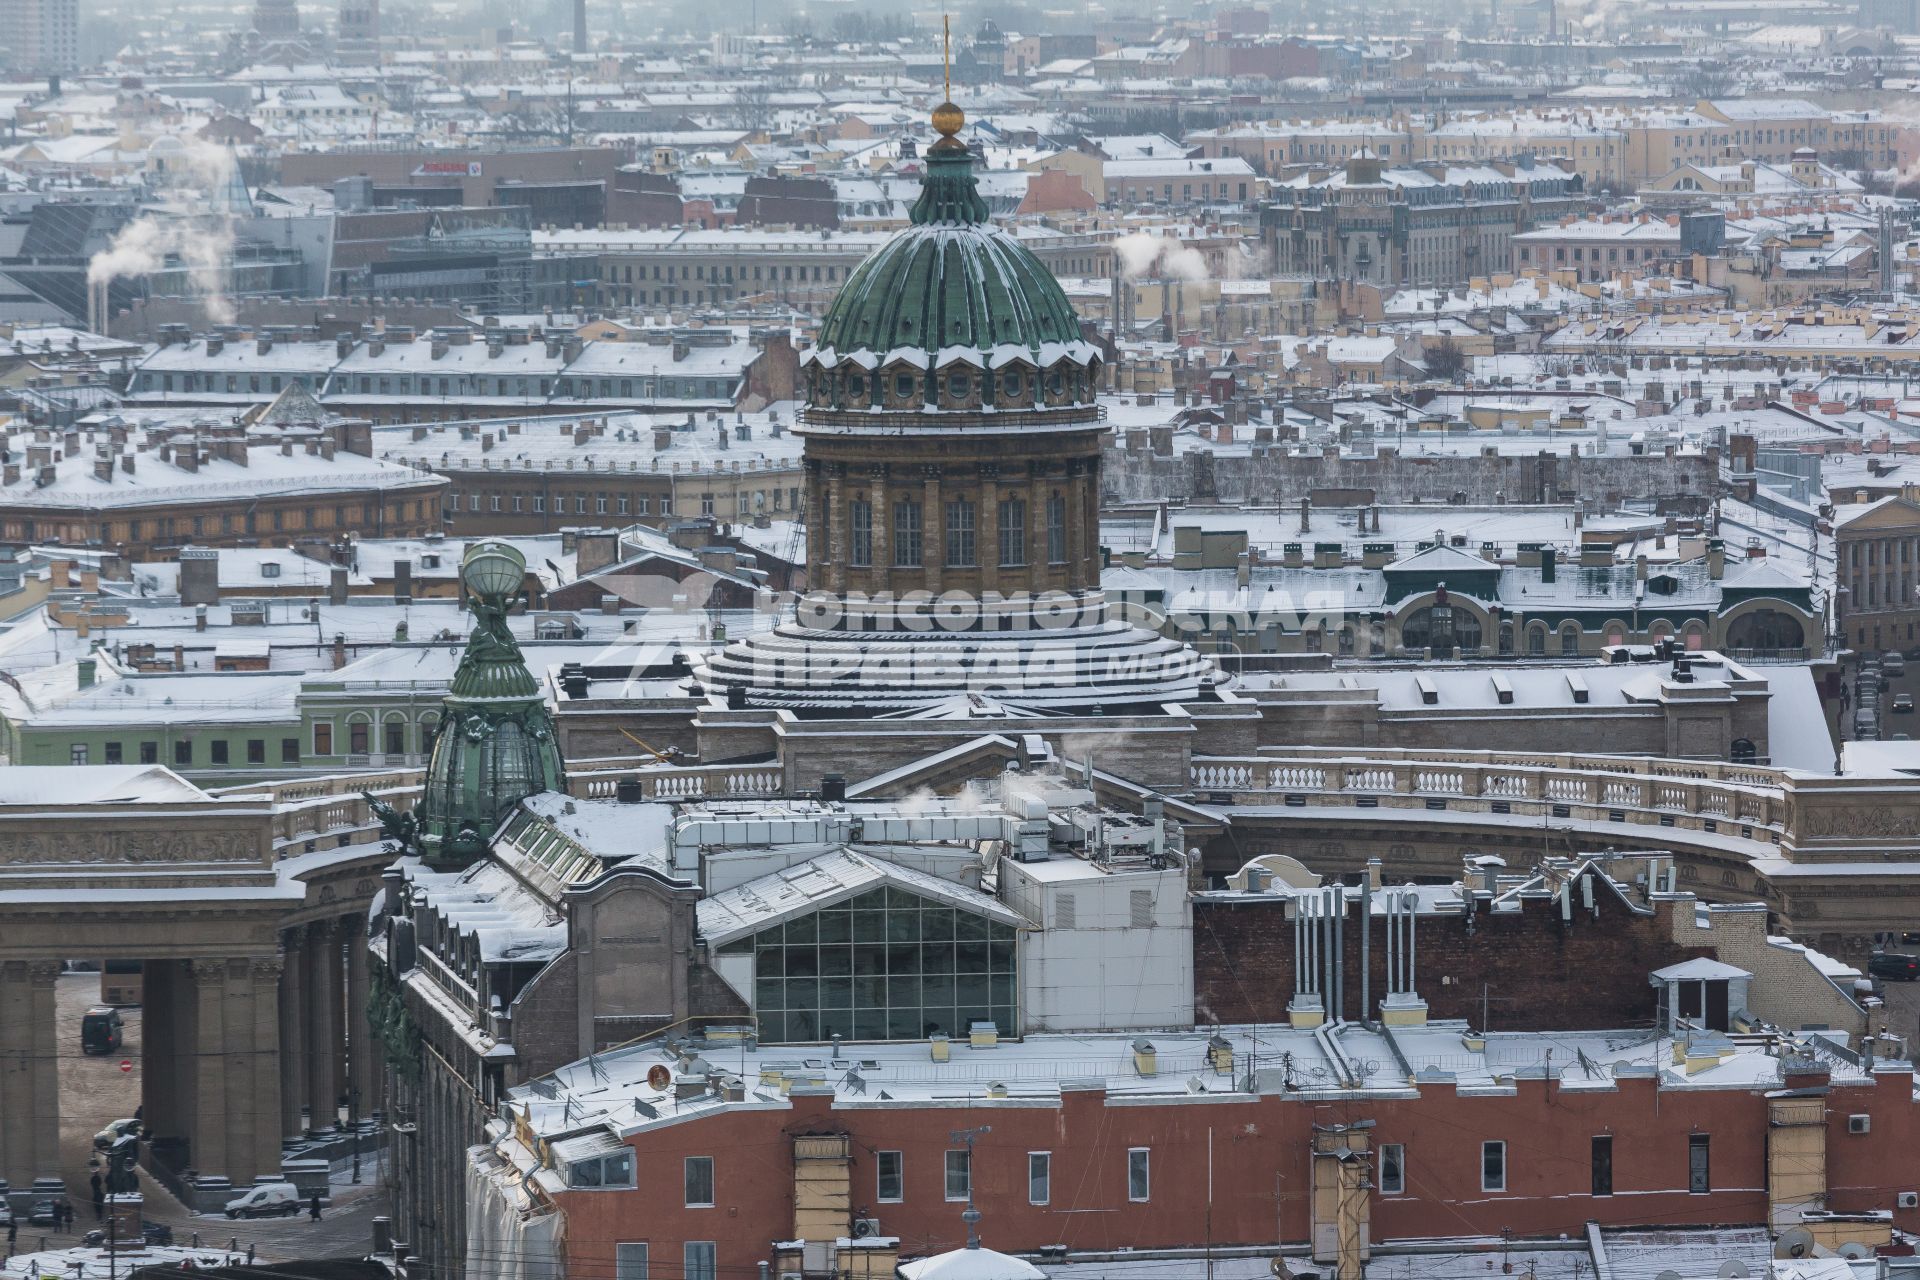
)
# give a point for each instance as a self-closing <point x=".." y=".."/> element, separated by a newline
<point x="41" y="1215"/>
<point x="1894" y="664"/>
<point x="155" y="1232"/>
<point x="269" y="1199"/>
<point x="101" y="1030"/>
<point x="1897" y="965"/>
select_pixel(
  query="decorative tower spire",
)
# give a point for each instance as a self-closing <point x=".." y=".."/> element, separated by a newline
<point x="495" y="744"/>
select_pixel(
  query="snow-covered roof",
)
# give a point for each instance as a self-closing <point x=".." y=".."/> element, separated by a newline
<point x="1700" y="969"/>
<point x="832" y="877"/>
<point x="60" y="786"/>
<point x="975" y="1263"/>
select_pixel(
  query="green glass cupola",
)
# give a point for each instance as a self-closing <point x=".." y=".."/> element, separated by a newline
<point x="495" y="746"/>
<point x="951" y="279"/>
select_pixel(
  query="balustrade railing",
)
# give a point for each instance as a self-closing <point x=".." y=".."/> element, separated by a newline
<point x="1743" y="800"/>
<point x="679" y="782"/>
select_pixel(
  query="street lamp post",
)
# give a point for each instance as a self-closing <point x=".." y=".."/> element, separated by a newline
<point x="353" y="1122"/>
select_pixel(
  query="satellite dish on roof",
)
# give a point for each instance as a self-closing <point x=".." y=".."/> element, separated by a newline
<point x="658" y="1077"/>
<point x="1794" y="1242"/>
<point x="1734" y="1269"/>
<point x="1668" y="1275"/>
<point x="1854" y="1249"/>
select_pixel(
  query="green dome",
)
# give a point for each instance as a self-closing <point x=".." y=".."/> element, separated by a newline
<point x="950" y="280"/>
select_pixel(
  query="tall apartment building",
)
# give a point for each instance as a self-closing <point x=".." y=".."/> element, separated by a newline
<point x="42" y="36"/>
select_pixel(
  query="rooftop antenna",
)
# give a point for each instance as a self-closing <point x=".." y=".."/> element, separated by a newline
<point x="970" y="1215"/>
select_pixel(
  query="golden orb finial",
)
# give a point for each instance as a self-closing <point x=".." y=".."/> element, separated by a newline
<point x="948" y="119"/>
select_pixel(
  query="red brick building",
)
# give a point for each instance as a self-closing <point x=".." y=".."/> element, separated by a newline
<point x="1087" y="1152"/>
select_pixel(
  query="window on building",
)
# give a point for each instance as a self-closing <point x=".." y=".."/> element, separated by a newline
<point x="77" y="753"/>
<point x="860" y="532"/>
<point x="889" y="1179"/>
<point x="700" y="1260"/>
<point x="1039" y="1177"/>
<point x="256" y="750"/>
<point x="698" y="1178"/>
<point x="1393" y="1168"/>
<point x="183" y="752"/>
<point x="1603" y="1165"/>
<point x="1493" y="1166"/>
<point x="889" y="965"/>
<point x="113" y="753"/>
<point x="217" y="751"/>
<point x="630" y="1262"/>
<point x="1138" y="1182"/>
<point x="1013" y="532"/>
<point x="357" y="737"/>
<point x="323" y="738"/>
<point x="289" y="751"/>
<point x="1699" y="1175"/>
<point x="615" y="1170"/>
<point x="906" y="533"/>
<point x="1056" y="530"/>
<point x="396" y="737"/>
<point x="960" y="550"/>
<point x="959" y="1182"/>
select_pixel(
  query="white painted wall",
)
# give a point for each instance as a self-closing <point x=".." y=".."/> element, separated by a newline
<point x="1101" y="972"/>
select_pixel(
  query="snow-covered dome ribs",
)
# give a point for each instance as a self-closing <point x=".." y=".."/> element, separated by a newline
<point x="953" y="313"/>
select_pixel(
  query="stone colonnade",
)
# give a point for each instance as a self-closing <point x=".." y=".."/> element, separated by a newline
<point x="241" y="1055"/>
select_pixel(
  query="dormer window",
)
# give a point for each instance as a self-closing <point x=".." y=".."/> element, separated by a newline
<point x="1013" y="385"/>
<point x="271" y="569"/>
<point x="959" y="385"/>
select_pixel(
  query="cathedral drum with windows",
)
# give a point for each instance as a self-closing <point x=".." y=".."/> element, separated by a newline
<point x="953" y="436"/>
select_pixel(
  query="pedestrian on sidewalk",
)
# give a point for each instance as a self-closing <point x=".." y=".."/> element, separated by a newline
<point x="13" y="1234"/>
<point x="99" y="1197"/>
<point x="313" y="1207"/>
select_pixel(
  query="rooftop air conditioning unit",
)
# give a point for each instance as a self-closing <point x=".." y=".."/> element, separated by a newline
<point x="1859" y="1124"/>
<point x="1909" y="1199"/>
<point x="865" y="1228"/>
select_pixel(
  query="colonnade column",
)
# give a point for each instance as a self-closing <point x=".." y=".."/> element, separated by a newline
<point x="933" y="531"/>
<point x="363" y="1056"/>
<point x="160" y="1064"/>
<point x="232" y="1067"/>
<point x="836" y="522"/>
<point x="207" y="1141"/>
<point x="986" y="532"/>
<point x="29" y="1072"/>
<point x="324" y="1001"/>
<point x="263" y="1140"/>
<point x="293" y="1031"/>
<point x="1036" y="529"/>
<point x="882" y="556"/>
